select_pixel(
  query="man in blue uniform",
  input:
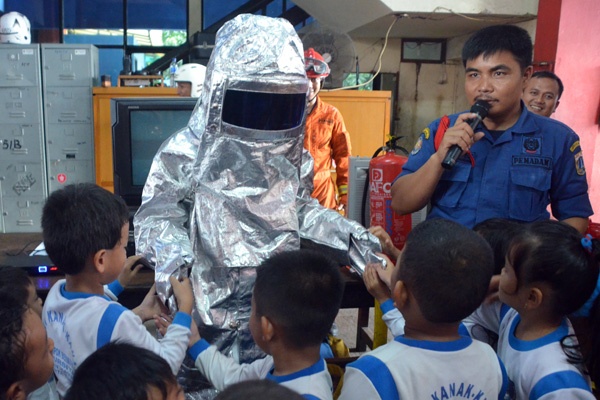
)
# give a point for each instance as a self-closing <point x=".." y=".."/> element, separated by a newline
<point x="514" y="163"/>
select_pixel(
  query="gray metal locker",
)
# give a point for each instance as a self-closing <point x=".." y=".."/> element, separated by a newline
<point x="21" y="142"/>
<point x="2" y="216"/>
<point x="23" y="176"/>
<point x="69" y="142"/>
<point x="64" y="171"/>
<point x="19" y="65"/>
<point x="20" y="105"/>
<point x="23" y="214"/>
<point x="69" y="71"/>
<point x="70" y="65"/>
<point x="68" y="105"/>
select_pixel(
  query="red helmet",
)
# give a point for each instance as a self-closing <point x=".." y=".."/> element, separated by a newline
<point x="315" y="65"/>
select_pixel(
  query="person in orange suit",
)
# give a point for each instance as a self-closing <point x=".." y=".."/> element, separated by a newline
<point x="326" y="138"/>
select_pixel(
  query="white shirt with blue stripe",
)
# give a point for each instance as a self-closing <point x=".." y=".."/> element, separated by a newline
<point x="538" y="369"/>
<point x="81" y="323"/>
<point x="312" y="383"/>
<point x="417" y="369"/>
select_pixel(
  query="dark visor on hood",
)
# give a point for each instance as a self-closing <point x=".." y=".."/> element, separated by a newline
<point x="263" y="111"/>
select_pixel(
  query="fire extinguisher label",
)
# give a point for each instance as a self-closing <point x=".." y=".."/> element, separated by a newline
<point x="378" y="185"/>
<point x="380" y="189"/>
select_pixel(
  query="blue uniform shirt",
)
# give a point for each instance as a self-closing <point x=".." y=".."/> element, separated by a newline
<point x="536" y="162"/>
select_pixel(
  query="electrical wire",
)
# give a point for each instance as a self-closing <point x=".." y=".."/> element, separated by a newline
<point x="387" y="34"/>
<point x="23" y="249"/>
<point x="486" y="19"/>
<point x="397" y="17"/>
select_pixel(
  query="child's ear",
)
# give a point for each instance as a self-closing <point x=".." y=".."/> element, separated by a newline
<point x="267" y="328"/>
<point x="400" y="294"/>
<point x="16" y="391"/>
<point x="99" y="260"/>
<point x="534" y="298"/>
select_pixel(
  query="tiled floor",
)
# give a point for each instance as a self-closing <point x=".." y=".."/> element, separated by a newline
<point x="346" y="324"/>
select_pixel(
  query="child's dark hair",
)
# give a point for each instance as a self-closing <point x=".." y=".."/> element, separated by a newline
<point x="78" y="221"/>
<point x="13" y="354"/>
<point x="120" y="371"/>
<point x="552" y="252"/>
<point x="15" y="281"/>
<point x="448" y="268"/>
<point x="494" y="39"/>
<point x="258" y="389"/>
<point x="555" y="253"/>
<point x="498" y="232"/>
<point x="301" y="292"/>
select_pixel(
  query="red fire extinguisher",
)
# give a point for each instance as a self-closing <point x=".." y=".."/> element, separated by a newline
<point x="593" y="229"/>
<point x="383" y="170"/>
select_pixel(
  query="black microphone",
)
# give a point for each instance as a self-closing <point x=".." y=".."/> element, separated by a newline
<point x="480" y="108"/>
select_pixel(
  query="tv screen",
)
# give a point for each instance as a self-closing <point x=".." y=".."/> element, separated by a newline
<point x="140" y="126"/>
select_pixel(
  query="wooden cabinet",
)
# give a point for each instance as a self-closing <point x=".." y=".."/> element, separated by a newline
<point x="103" y="125"/>
<point x="366" y="114"/>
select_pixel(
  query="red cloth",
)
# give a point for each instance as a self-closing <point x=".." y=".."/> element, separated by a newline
<point x="326" y="139"/>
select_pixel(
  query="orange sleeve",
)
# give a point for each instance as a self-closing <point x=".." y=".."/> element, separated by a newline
<point x="341" y="150"/>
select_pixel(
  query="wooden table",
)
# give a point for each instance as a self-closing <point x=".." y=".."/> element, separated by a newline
<point x="14" y="247"/>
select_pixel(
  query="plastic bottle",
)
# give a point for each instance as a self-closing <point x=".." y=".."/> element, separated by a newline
<point x="173" y="71"/>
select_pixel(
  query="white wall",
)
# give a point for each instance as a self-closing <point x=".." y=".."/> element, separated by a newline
<point x="422" y="98"/>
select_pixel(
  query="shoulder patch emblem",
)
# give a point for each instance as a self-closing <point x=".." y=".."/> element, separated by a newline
<point x="574" y="146"/>
<point x="579" y="166"/>
<point x="426" y="133"/>
<point x="418" y="145"/>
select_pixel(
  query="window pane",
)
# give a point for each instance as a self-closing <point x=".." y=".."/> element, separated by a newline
<point x="94" y="36"/>
<point x="306" y="22"/>
<point x="156" y="37"/>
<point x="93" y="14"/>
<point x="111" y="63"/>
<point x="152" y="14"/>
<point x="139" y="61"/>
<point x="214" y="10"/>
<point x="275" y="8"/>
<point x="43" y="16"/>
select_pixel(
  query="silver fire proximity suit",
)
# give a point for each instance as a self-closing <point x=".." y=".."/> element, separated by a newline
<point x="233" y="187"/>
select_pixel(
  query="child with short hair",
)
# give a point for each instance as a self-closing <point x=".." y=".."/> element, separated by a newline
<point x="442" y="276"/>
<point x="550" y="273"/>
<point x="258" y="389"/>
<point x="296" y="297"/>
<point x="16" y="282"/>
<point x="25" y="350"/>
<point x="498" y="232"/>
<point x="123" y="371"/>
<point x="85" y="231"/>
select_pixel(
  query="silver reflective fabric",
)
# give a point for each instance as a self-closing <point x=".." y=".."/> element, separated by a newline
<point x="220" y="199"/>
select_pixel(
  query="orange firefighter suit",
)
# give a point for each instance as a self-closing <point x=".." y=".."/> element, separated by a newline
<point x="327" y="140"/>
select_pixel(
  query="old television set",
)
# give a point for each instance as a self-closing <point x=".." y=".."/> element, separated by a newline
<point x="139" y="127"/>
